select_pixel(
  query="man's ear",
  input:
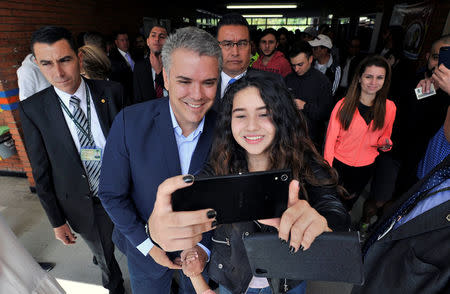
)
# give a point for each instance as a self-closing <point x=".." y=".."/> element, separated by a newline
<point x="427" y="56"/>
<point x="166" y="79"/>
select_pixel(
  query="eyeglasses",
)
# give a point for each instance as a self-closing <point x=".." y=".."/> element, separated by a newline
<point x="227" y="45"/>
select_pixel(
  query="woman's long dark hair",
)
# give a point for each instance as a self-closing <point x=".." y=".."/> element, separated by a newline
<point x="351" y="100"/>
<point x="291" y="147"/>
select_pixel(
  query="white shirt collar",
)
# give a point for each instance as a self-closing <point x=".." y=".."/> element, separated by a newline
<point x="79" y="93"/>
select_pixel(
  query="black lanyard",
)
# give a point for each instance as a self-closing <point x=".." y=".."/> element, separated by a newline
<point x="88" y="100"/>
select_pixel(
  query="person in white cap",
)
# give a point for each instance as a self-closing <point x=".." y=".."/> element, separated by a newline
<point x="324" y="61"/>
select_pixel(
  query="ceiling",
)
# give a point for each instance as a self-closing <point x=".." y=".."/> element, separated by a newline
<point x="305" y="7"/>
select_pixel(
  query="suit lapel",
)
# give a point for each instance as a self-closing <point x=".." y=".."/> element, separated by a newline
<point x="433" y="219"/>
<point x="100" y="107"/>
<point x="201" y="151"/>
<point x="60" y="129"/>
<point x="167" y="139"/>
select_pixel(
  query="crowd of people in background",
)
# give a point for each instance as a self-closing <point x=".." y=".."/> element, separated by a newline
<point x="352" y="119"/>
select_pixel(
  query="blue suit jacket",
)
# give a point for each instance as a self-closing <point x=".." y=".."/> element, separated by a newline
<point x="140" y="153"/>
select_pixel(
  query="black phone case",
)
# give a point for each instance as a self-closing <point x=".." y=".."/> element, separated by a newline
<point x="444" y="56"/>
<point x="332" y="257"/>
<point x="237" y="198"/>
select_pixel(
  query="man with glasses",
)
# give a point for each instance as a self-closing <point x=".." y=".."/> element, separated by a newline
<point x="311" y="90"/>
<point x="234" y="39"/>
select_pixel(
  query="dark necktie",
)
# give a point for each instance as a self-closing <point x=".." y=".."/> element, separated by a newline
<point x="92" y="166"/>
<point x="159" y="82"/>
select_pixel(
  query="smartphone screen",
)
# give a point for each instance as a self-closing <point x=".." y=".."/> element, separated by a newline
<point x="444" y="56"/>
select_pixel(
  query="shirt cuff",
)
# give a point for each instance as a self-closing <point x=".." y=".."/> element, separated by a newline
<point x="206" y="250"/>
<point x="146" y="246"/>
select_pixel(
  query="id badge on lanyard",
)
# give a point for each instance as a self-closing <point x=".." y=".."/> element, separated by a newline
<point x="91" y="154"/>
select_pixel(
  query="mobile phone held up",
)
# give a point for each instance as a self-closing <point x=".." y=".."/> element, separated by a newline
<point x="237" y="198"/>
<point x="444" y="56"/>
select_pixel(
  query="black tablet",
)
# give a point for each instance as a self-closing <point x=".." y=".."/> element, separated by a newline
<point x="236" y="198"/>
<point x="332" y="257"/>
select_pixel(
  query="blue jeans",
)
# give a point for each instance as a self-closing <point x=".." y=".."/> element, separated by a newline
<point x="300" y="289"/>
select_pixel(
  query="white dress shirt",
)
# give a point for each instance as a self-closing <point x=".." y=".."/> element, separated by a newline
<point x="97" y="133"/>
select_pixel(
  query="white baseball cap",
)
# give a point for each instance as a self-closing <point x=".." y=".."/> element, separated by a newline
<point x="321" y="40"/>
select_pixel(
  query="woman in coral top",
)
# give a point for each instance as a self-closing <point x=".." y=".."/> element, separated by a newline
<point x="360" y="126"/>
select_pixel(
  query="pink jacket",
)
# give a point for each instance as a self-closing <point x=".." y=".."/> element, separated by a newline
<point x="357" y="146"/>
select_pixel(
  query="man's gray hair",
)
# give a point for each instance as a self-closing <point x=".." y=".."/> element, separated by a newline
<point x="193" y="39"/>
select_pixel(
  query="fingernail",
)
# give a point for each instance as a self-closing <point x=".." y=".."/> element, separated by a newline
<point x="282" y="241"/>
<point x="301" y="248"/>
<point x="291" y="250"/>
<point x="213" y="224"/>
<point x="211" y="213"/>
<point x="188" y="179"/>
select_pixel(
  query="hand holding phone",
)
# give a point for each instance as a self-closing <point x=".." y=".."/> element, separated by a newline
<point x="386" y="147"/>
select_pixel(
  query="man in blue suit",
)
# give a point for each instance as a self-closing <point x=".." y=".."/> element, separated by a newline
<point x="152" y="141"/>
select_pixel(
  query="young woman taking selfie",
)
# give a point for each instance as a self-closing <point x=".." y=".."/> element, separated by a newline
<point x="260" y="129"/>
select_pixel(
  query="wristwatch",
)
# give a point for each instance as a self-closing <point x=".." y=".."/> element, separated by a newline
<point x="147" y="231"/>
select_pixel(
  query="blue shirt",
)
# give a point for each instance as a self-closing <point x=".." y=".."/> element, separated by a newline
<point x="186" y="147"/>
<point x="437" y="150"/>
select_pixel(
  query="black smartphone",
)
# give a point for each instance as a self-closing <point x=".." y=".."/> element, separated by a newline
<point x="237" y="198"/>
<point x="444" y="56"/>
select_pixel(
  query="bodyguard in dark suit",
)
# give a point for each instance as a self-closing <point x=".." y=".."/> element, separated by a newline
<point x="122" y="65"/>
<point x="148" y="81"/>
<point x="65" y="127"/>
<point x="155" y="140"/>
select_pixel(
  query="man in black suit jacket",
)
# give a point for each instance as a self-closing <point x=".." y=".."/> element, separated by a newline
<point x="65" y="184"/>
<point x="122" y="65"/>
<point x="148" y="82"/>
<point x="408" y="251"/>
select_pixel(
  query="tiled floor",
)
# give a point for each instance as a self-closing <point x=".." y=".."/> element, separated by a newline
<point x="74" y="268"/>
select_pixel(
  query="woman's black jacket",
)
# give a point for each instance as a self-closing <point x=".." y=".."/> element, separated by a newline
<point x="229" y="264"/>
